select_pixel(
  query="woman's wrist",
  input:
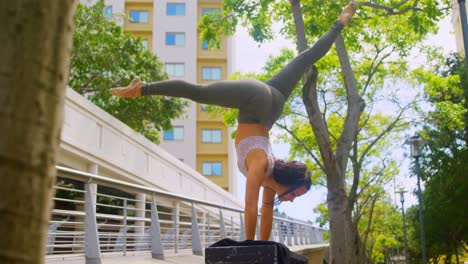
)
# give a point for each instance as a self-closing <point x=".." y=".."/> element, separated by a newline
<point x="138" y="90"/>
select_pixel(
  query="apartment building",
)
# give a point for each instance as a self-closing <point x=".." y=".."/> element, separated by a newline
<point x="456" y="23"/>
<point x="169" y="29"/>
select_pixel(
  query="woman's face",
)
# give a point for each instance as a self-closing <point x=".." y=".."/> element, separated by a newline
<point x="293" y="194"/>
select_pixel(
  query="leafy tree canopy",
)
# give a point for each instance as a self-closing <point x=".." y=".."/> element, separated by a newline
<point x="104" y="56"/>
<point x="444" y="158"/>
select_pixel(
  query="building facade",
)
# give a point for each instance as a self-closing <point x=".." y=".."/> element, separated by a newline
<point x="169" y="29"/>
<point x="456" y="23"/>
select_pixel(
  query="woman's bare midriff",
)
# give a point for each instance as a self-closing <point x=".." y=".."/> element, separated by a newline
<point x="245" y="130"/>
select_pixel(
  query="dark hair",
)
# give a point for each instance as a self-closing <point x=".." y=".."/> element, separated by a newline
<point x="291" y="173"/>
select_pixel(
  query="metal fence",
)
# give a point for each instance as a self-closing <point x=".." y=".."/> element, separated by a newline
<point x="95" y="215"/>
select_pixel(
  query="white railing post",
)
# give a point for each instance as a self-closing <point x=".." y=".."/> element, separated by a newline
<point x="196" y="241"/>
<point x="209" y="228"/>
<point x="125" y="213"/>
<point x="296" y="234"/>
<point x="92" y="249"/>
<point x="232" y="227"/>
<point x="140" y="213"/>
<point x="302" y="229"/>
<point x="222" y="230"/>
<point x="257" y="229"/>
<point x="271" y="233"/>
<point x="242" y="228"/>
<point x="280" y="232"/>
<point x="176" y="212"/>
<point x="288" y="233"/>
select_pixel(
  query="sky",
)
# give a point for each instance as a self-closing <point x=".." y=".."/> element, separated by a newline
<point x="250" y="57"/>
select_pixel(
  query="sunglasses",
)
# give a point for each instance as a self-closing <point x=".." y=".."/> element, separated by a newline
<point x="277" y="200"/>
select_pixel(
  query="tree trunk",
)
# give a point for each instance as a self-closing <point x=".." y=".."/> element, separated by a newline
<point x="36" y="39"/>
<point x="341" y="243"/>
<point x="343" y="248"/>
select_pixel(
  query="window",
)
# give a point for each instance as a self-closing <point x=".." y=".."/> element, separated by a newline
<point x="175" y="39"/>
<point x="145" y="43"/>
<point x="211" y="135"/>
<point x="173" y="9"/>
<point x="210" y="10"/>
<point x="212" y="168"/>
<point x="175" y="69"/>
<point x="211" y="73"/>
<point x="139" y="16"/>
<point x="205" y="45"/>
<point x="107" y="11"/>
<point x="175" y="133"/>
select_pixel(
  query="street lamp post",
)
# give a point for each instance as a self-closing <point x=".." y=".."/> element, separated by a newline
<point x="402" y="200"/>
<point x="415" y="142"/>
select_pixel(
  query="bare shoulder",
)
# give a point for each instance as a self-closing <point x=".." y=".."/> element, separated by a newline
<point x="257" y="159"/>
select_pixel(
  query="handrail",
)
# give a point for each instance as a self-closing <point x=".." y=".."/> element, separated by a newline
<point x="163" y="193"/>
<point x="144" y="188"/>
<point x="78" y="225"/>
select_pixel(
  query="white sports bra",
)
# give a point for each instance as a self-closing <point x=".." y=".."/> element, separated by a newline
<point x="250" y="143"/>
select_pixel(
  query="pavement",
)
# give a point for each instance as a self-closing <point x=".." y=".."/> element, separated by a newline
<point x="141" y="259"/>
<point x="174" y="259"/>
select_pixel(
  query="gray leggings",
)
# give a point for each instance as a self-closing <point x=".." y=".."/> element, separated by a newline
<point x="258" y="102"/>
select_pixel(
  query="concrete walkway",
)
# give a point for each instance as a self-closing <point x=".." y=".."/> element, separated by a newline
<point x="141" y="259"/>
<point x="313" y="252"/>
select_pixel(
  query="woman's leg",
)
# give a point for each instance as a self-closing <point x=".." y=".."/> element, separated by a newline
<point x="231" y="94"/>
<point x="286" y="79"/>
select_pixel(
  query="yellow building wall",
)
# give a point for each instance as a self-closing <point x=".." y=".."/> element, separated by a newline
<point x="138" y="6"/>
<point x="211" y="63"/>
<point x="140" y="1"/>
<point x="207" y="116"/>
<point x="222" y="181"/>
<point x="211" y="151"/>
<point x="212" y="148"/>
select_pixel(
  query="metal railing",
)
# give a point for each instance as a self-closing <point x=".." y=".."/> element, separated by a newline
<point x="96" y="215"/>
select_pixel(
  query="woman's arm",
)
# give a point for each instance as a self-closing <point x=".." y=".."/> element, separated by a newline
<point x="256" y="165"/>
<point x="266" y="221"/>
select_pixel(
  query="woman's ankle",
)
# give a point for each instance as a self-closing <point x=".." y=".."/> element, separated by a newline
<point x="347" y="13"/>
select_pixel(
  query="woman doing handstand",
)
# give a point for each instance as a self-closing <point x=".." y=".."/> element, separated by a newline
<point x="260" y="105"/>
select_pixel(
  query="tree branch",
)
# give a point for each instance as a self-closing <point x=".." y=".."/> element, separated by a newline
<point x="308" y="150"/>
<point x="356" y="175"/>
<point x="319" y="126"/>
<point x="381" y="135"/>
<point x="373" y="69"/>
<point x="355" y="106"/>
<point x="366" y="233"/>
<point x="393" y="10"/>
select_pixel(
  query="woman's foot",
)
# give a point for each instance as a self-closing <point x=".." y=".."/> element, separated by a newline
<point x="347" y="13"/>
<point x="132" y="90"/>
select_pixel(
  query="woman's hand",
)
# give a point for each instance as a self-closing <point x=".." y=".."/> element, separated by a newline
<point x="132" y="90"/>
